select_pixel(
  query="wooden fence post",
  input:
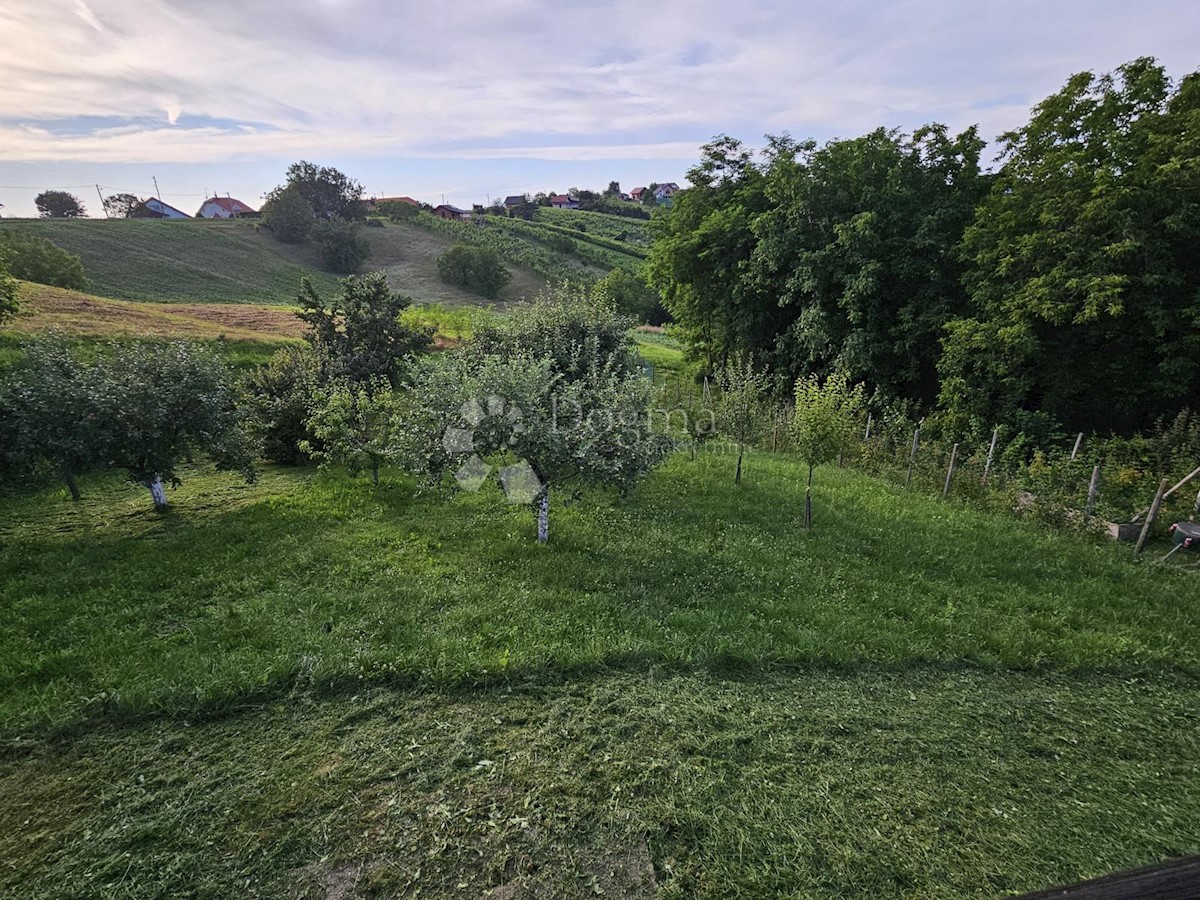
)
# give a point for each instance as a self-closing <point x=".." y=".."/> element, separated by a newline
<point x="867" y="435"/>
<point x="1078" y="444"/>
<point x="950" y="472"/>
<point x="1151" y="515"/>
<point x="912" y="458"/>
<point x="987" y="466"/>
<point x="1093" y="489"/>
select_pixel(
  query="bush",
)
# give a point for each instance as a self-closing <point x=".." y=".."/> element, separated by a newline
<point x="478" y="269"/>
<point x="288" y="215"/>
<point x="343" y="248"/>
<point x="398" y="210"/>
<point x="278" y="396"/>
<point x="632" y="296"/>
<point x="37" y="259"/>
<point x="8" y="290"/>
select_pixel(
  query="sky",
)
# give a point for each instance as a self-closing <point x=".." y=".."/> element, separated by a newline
<point x="461" y="102"/>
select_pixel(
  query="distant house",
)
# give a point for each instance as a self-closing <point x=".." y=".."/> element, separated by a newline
<point x="446" y="211"/>
<point x="153" y="208"/>
<point x="563" y="201"/>
<point x="514" y="200"/>
<point x="373" y="203"/>
<point x="637" y="194"/>
<point x="224" y="208"/>
<point x="665" y="191"/>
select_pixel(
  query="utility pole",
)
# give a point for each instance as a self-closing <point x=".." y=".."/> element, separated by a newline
<point x="102" y="206"/>
<point x="157" y="193"/>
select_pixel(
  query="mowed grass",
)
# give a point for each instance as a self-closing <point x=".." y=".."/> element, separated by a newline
<point x="247" y="591"/>
<point x="181" y="261"/>
<point x="920" y="784"/>
<point x="312" y="687"/>
<point x="208" y="261"/>
<point x="43" y="309"/>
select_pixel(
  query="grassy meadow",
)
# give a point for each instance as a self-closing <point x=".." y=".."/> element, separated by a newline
<point x="210" y="261"/>
<point x="311" y="685"/>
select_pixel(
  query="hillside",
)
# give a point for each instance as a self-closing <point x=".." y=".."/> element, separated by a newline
<point x="46" y="309"/>
<point x="238" y="262"/>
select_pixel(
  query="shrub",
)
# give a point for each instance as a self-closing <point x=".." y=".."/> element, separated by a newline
<point x="8" y="290"/>
<point x="343" y="248"/>
<point x="478" y="269"/>
<point x="278" y="396"/>
<point x="36" y="259"/>
<point x="288" y="215"/>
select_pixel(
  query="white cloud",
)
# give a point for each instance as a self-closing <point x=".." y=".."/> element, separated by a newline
<point x="239" y="78"/>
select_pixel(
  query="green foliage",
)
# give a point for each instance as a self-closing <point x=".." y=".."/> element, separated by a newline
<point x="398" y="210"/>
<point x="478" y="269"/>
<point x="614" y="227"/>
<point x="32" y="258"/>
<point x="330" y="192"/>
<point x="59" y="205"/>
<point x="580" y="333"/>
<point x="632" y="297"/>
<point x="495" y="235"/>
<point x="8" y="288"/>
<point x="288" y="214"/>
<point x="825" y="424"/>
<point x="358" y="334"/>
<point x="743" y="406"/>
<point x="141" y="407"/>
<point x="356" y="426"/>
<point x="1083" y="277"/>
<point x="555" y="385"/>
<point x="120" y="206"/>
<point x="278" y="396"/>
<point x="171" y="400"/>
<point x="57" y="413"/>
<point x="343" y="248"/>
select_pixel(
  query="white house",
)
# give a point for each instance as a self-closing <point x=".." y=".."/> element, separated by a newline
<point x="224" y="208"/>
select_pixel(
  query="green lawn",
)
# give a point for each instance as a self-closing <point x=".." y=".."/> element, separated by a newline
<point x="280" y="689"/>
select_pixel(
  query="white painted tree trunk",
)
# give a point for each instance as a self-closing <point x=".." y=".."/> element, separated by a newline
<point x="158" y="492"/>
<point x="544" y="517"/>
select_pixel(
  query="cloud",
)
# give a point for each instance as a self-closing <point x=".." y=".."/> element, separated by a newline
<point x="376" y="77"/>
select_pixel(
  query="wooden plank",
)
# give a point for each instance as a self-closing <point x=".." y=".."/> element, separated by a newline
<point x="1093" y="489"/>
<point x="1195" y="472"/>
<point x="1151" y="515"/>
<point x="1078" y="444"/>
<point x="1178" y="879"/>
<point x="912" y="457"/>
<point x="987" y="466"/>
<point x="950" y="472"/>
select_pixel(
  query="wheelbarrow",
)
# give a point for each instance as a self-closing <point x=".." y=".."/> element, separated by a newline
<point x="1185" y="536"/>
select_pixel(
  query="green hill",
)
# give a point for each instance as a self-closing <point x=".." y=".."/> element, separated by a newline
<point x="238" y="262"/>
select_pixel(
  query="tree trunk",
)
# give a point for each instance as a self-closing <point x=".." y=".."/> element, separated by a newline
<point x="69" y="477"/>
<point x="737" y="478"/>
<point x="375" y="474"/>
<point x="808" y="501"/>
<point x="158" y="492"/>
<point x="544" y="516"/>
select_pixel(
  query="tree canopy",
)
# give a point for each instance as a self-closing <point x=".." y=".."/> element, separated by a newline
<point x="59" y="205"/>
<point x="1060" y="291"/>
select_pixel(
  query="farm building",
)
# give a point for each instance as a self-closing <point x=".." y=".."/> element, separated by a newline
<point x="153" y="208"/>
<point x="665" y="191"/>
<point x="224" y="208"/>
<point x="636" y="194"/>
<point x="446" y="211"/>
<point x="514" y="200"/>
<point x="563" y="201"/>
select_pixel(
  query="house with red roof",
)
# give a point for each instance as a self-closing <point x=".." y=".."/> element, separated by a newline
<point x="564" y="201"/>
<point x="225" y="208"/>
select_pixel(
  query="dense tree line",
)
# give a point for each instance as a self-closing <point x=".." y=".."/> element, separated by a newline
<point x="1062" y="290"/>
